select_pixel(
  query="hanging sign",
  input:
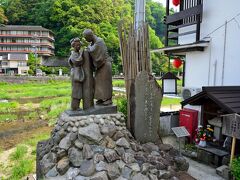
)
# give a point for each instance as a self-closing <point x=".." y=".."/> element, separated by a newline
<point x="231" y="125"/>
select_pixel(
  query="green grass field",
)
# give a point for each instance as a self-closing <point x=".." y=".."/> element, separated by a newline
<point x="46" y="99"/>
<point x="34" y="90"/>
<point x="170" y="101"/>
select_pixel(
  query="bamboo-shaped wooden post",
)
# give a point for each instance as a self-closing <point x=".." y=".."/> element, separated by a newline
<point x="233" y="149"/>
<point x="134" y="47"/>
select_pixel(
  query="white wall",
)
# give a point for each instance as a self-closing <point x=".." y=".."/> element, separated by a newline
<point x="209" y="68"/>
<point x="196" y="69"/>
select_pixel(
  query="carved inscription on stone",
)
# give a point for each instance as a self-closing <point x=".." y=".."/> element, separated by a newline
<point x="148" y="98"/>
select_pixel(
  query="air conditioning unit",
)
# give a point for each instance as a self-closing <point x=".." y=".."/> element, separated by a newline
<point x="188" y="92"/>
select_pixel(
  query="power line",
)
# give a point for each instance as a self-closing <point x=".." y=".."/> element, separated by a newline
<point x="232" y="19"/>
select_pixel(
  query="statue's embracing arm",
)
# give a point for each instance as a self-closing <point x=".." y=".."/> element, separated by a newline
<point x="97" y="53"/>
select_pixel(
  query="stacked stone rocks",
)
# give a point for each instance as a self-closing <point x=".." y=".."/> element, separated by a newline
<point x="99" y="147"/>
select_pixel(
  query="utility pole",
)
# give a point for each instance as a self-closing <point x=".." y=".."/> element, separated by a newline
<point x="139" y="13"/>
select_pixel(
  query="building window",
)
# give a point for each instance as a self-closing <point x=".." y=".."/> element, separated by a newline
<point x="4" y="63"/>
<point x="22" y="63"/>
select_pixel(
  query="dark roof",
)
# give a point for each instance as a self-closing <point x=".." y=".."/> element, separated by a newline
<point x="169" y="75"/>
<point x="226" y="97"/>
<point x="23" y="27"/>
<point x="20" y="57"/>
<point x="55" y="62"/>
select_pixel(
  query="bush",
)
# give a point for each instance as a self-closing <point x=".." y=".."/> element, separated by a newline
<point x="235" y="168"/>
<point x="122" y="105"/>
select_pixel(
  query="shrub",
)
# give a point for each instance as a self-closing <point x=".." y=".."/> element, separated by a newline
<point x="122" y="105"/>
<point x="235" y="168"/>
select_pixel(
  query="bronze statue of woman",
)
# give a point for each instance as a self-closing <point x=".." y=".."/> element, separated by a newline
<point x="77" y="73"/>
<point x="81" y="75"/>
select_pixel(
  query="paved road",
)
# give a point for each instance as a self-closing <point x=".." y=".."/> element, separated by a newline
<point x="202" y="171"/>
<point x="197" y="170"/>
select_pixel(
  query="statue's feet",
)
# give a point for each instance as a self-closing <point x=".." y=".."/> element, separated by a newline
<point x="107" y="102"/>
<point x="99" y="101"/>
<point x="104" y="103"/>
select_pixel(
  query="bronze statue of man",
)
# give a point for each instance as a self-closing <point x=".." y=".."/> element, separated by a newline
<point x="103" y="68"/>
<point x="77" y="73"/>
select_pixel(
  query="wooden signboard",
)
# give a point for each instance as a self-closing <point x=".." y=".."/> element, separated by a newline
<point x="231" y="125"/>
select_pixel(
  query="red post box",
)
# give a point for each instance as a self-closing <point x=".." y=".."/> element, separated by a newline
<point x="189" y="119"/>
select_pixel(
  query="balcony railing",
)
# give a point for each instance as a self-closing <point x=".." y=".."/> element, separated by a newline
<point x="190" y="14"/>
<point x="26" y="44"/>
<point x="27" y="35"/>
<point x="27" y="51"/>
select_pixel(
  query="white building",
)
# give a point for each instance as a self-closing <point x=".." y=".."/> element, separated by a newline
<point x="212" y="55"/>
<point x="218" y="64"/>
<point x="18" y="41"/>
<point x="14" y="64"/>
<point x="206" y="34"/>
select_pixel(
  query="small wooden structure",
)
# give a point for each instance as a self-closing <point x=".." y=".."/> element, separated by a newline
<point x="216" y="103"/>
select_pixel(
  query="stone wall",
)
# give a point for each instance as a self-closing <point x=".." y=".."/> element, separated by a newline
<point x="99" y="147"/>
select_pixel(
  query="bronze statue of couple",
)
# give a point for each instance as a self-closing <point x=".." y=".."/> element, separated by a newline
<point x="91" y="72"/>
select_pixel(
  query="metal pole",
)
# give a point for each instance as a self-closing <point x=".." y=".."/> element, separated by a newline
<point x="224" y="52"/>
<point x="139" y="13"/>
<point x="35" y="54"/>
<point x="166" y="30"/>
<point x="35" y="37"/>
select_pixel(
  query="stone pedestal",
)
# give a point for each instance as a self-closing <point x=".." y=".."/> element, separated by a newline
<point x="97" y="109"/>
<point x="100" y="147"/>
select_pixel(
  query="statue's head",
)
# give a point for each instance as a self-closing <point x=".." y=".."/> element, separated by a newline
<point x="88" y="35"/>
<point x="76" y="44"/>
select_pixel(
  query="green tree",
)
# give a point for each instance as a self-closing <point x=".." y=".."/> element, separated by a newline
<point x="159" y="63"/>
<point x="32" y="63"/>
<point x="155" y="13"/>
<point x="68" y="19"/>
<point x="3" y="18"/>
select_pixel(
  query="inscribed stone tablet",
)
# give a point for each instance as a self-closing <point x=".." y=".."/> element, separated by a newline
<point x="148" y="97"/>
